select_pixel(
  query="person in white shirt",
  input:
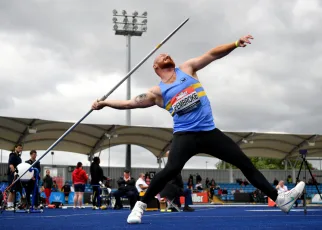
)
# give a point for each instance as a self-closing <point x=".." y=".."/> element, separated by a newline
<point x="198" y="186"/>
<point x="140" y="184"/>
<point x="281" y="187"/>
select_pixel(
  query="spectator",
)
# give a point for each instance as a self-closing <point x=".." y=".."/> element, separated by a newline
<point x="190" y="177"/>
<point x="55" y="187"/>
<point x="198" y="178"/>
<point x="275" y="182"/>
<point x="174" y="189"/>
<point x="66" y="190"/>
<point x="140" y="184"/>
<point x="213" y="183"/>
<point x="245" y="182"/>
<point x="281" y="187"/>
<point x="97" y="178"/>
<point x="126" y="188"/>
<point x="190" y="183"/>
<point x="32" y="183"/>
<point x="14" y="160"/>
<point x="79" y="178"/>
<point x="239" y="181"/>
<point x="207" y="182"/>
<point x="212" y="191"/>
<point x="147" y="179"/>
<point x="289" y="179"/>
<point x="199" y="186"/>
<point x="47" y="184"/>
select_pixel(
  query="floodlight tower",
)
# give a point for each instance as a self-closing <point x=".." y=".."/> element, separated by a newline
<point x="128" y="26"/>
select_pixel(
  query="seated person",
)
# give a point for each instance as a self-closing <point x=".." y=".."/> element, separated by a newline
<point x="239" y="181"/>
<point x="174" y="189"/>
<point x="66" y="190"/>
<point x="140" y="184"/>
<point x="281" y="187"/>
<point x="55" y="187"/>
<point x="245" y="182"/>
<point x="198" y="186"/>
<point x="126" y="188"/>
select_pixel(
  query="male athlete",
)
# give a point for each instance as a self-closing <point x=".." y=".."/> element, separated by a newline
<point x="181" y="93"/>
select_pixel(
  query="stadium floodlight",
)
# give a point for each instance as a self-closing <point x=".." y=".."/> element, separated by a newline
<point x="144" y="28"/>
<point x="129" y="25"/>
<point x="126" y="27"/>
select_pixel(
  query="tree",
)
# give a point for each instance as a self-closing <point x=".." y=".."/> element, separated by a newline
<point x="267" y="163"/>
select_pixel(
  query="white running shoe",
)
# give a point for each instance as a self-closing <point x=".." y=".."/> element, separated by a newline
<point x="137" y="212"/>
<point x="285" y="200"/>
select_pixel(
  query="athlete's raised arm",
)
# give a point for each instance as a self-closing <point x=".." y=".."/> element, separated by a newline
<point x="218" y="52"/>
<point x="143" y="100"/>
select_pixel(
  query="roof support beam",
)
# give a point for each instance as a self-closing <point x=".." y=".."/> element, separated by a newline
<point x="165" y="148"/>
<point x="244" y="137"/>
<point x="9" y="129"/>
<point x="100" y="141"/>
<point x="301" y="144"/>
<point x="25" y="132"/>
<point x="6" y="140"/>
<point x="64" y="140"/>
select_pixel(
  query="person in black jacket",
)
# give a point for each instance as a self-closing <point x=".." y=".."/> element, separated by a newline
<point x="48" y="185"/>
<point x="174" y="189"/>
<point x="97" y="177"/>
<point x="126" y="188"/>
<point x="14" y="160"/>
<point x="31" y="183"/>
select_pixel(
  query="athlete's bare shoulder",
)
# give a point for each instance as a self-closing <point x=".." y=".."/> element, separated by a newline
<point x="156" y="91"/>
<point x="187" y="69"/>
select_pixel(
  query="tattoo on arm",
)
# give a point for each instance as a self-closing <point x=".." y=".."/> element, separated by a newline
<point x="141" y="98"/>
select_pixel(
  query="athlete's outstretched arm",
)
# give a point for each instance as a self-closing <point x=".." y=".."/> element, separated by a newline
<point x="216" y="53"/>
<point x="141" y="101"/>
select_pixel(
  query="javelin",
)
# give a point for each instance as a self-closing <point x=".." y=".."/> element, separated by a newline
<point x="102" y="99"/>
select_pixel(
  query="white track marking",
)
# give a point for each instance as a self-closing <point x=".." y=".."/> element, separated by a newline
<point x="277" y="210"/>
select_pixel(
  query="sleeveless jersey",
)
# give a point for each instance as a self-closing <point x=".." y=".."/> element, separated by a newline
<point x="187" y="102"/>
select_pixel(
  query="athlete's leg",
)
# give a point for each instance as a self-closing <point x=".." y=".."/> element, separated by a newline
<point x="182" y="149"/>
<point x="221" y="146"/>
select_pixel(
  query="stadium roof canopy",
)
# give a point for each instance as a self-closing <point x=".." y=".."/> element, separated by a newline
<point x="91" y="138"/>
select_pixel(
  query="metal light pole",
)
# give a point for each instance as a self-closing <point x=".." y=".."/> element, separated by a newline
<point x="110" y="136"/>
<point x="129" y="26"/>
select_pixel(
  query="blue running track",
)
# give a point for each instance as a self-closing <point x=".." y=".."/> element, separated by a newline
<point x="217" y="217"/>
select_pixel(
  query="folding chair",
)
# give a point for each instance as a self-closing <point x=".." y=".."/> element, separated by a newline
<point x="171" y="204"/>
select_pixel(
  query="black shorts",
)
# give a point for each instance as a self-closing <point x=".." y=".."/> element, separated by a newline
<point x="16" y="186"/>
<point x="79" y="187"/>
